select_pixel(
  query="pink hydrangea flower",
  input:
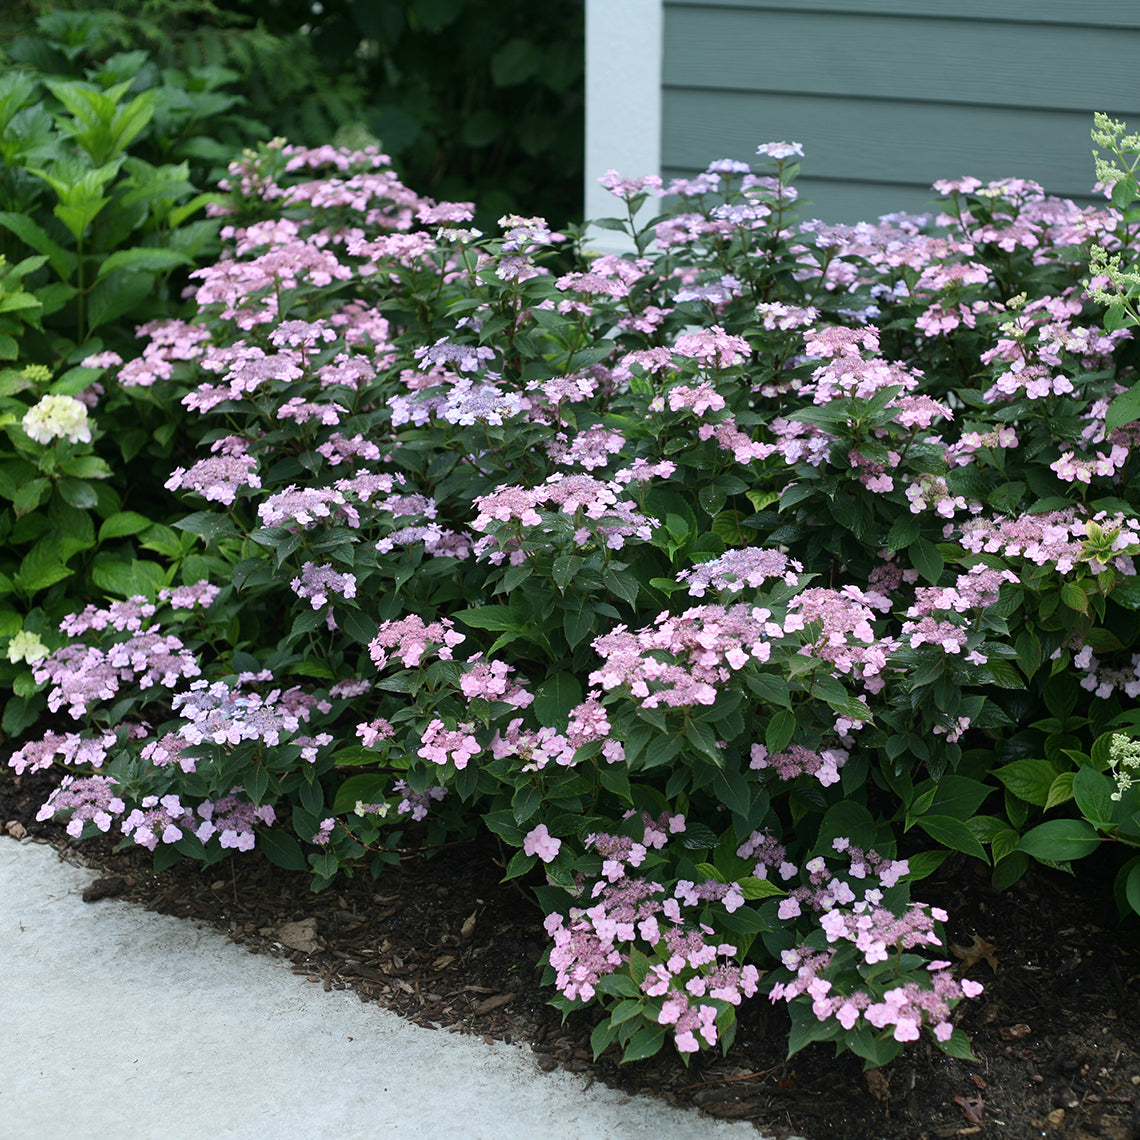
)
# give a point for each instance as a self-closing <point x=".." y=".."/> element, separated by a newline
<point x="541" y="843"/>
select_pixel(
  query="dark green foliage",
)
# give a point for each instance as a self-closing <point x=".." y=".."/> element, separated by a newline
<point x="101" y="165"/>
<point x="475" y="99"/>
<point x="284" y="91"/>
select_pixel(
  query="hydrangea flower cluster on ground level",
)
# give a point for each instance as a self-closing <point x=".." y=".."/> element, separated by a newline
<point x="667" y="568"/>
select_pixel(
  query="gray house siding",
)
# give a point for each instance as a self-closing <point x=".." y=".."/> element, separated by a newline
<point x="888" y="95"/>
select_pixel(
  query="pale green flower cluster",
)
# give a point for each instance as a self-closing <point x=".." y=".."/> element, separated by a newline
<point x="1124" y="284"/>
<point x="36" y="373"/>
<point x="55" y="417"/>
<point x="1111" y="284"/>
<point x="1123" y="759"/>
<point x="26" y="646"/>
<point x="1109" y="133"/>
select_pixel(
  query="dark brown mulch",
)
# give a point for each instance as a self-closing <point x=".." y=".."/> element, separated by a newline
<point x="444" y="943"/>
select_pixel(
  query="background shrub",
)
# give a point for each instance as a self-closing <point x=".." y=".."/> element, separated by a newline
<point x="280" y="86"/>
<point x="100" y="223"/>
<point x="476" y="100"/>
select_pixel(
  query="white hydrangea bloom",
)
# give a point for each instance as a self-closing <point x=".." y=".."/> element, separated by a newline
<point x="26" y="646"/>
<point x="1124" y="762"/>
<point x="55" y="417"/>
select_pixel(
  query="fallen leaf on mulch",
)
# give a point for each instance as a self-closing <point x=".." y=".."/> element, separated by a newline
<point x="979" y="950"/>
<point x="1014" y="1032"/>
<point x="493" y="1003"/>
<point x="727" y="1104"/>
<point x="877" y="1084"/>
<point x="300" y="935"/>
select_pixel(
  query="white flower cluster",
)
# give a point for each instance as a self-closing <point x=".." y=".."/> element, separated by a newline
<point x="1124" y="759"/>
<point x="26" y="646"/>
<point x="55" y="417"/>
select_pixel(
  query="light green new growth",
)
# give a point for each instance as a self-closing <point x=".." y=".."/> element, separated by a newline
<point x="1117" y="174"/>
<point x="1123" y="756"/>
<point x="36" y="373"/>
<point x="1123" y="284"/>
<point x="1109" y="133"/>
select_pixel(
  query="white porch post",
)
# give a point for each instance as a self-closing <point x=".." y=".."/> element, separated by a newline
<point x="623" y="101"/>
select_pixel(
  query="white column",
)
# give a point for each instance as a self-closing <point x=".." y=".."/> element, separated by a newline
<point x="623" y="101"/>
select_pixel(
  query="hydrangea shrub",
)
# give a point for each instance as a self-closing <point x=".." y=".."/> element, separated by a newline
<point x="732" y="583"/>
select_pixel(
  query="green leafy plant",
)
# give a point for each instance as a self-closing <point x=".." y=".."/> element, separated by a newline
<point x="264" y="51"/>
<point x="50" y="484"/>
<point x="111" y="226"/>
<point x="100" y="224"/>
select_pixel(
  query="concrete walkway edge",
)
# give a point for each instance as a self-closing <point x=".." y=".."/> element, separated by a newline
<point x="123" y="1023"/>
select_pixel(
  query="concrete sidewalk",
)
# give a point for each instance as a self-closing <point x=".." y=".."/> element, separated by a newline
<point x="122" y="1023"/>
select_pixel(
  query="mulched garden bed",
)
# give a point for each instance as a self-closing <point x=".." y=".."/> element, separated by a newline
<point x="442" y="942"/>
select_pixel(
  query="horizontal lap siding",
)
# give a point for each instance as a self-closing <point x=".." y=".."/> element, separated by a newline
<point x="1104" y="13"/>
<point x="888" y="57"/>
<point x="887" y="103"/>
